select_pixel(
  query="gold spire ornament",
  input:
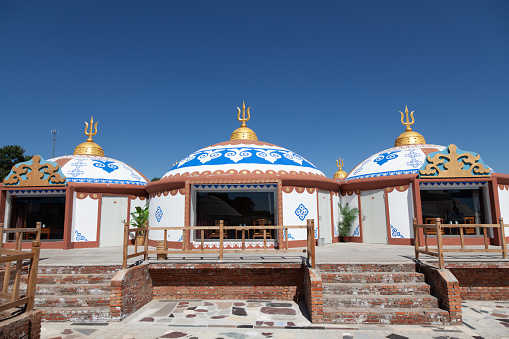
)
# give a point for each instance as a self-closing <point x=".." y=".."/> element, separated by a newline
<point x="243" y="132"/>
<point x="340" y="174"/>
<point x="89" y="147"/>
<point x="408" y="137"/>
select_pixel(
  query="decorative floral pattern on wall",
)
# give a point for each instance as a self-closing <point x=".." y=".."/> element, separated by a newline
<point x="159" y="214"/>
<point x="80" y="237"/>
<point x="301" y="212"/>
<point x="395" y="233"/>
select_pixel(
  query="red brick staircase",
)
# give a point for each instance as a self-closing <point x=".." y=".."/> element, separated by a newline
<point x="378" y="294"/>
<point x="74" y="293"/>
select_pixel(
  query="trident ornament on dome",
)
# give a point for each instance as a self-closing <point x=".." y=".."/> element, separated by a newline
<point x="339" y="163"/>
<point x="243" y="120"/>
<point x="90" y="134"/>
<point x="407" y="123"/>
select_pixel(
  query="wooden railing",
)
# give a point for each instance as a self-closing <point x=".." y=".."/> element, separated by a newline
<point x="220" y="230"/>
<point x="437" y="231"/>
<point x="18" y="255"/>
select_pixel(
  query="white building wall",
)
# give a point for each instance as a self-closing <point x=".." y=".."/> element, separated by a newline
<point x="352" y="201"/>
<point x="167" y="211"/>
<point x="84" y="218"/>
<point x="401" y="213"/>
<point x="503" y="199"/>
<point x="335" y="212"/>
<point x="297" y="208"/>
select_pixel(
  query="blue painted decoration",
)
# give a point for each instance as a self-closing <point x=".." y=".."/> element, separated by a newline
<point x="159" y="213"/>
<point x="301" y="212"/>
<point x="80" y="237"/>
<point x="382" y="158"/>
<point x="108" y="166"/>
<point x="395" y="233"/>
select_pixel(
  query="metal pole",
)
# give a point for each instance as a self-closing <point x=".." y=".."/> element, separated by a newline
<point x="54" y="132"/>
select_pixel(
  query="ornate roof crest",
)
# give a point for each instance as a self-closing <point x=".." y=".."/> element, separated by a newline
<point x="36" y="172"/>
<point x="454" y="163"/>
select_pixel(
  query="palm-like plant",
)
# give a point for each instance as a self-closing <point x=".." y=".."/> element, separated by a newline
<point x="139" y="217"/>
<point x="347" y="217"/>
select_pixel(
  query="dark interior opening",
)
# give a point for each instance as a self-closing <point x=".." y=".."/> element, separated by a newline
<point x="49" y="210"/>
<point x="454" y="206"/>
<point x="235" y="209"/>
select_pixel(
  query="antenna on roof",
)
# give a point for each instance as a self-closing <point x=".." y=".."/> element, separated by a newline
<point x="54" y="132"/>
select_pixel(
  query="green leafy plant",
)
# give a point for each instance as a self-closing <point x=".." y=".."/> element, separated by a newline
<point x="347" y="217"/>
<point x="139" y="217"/>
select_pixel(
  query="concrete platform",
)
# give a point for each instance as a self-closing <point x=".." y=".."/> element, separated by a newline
<point x="331" y="253"/>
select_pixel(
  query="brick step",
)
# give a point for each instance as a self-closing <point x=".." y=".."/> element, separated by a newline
<point x="376" y="288"/>
<point x="99" y="269"/>
<point x="71" y="301"/>
<point x="380" y="301"/>
<point x="367" y="267"/>
<point x="372" y="277"/>
<point x="49" y="279"/>
<point x="393" y="316"/>
<point x="73" y="289"/>
<point x="79" y="314"/>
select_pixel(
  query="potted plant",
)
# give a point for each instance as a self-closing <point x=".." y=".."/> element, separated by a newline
<point x="347" y="217"/>
<point x="139" y="218"/>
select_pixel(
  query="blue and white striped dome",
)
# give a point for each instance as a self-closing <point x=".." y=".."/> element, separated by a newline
<point x="98" y="170"/>
<point x="243" y="155"/>
<point x="394" y="161"/>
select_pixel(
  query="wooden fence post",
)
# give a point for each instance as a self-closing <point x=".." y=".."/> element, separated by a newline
<point x="440" y="245"/>
<point x="32" y="276"/>
<point x="1" y="235"/>
<point x="145" y="244"/>
<point x="416" y="239"/>
<point x="221" y="236"/>
<point x="311" y="227"/>
<point x="38" y="235"/>
<point x="502" y="240"/>
<point x="126" y="244"/>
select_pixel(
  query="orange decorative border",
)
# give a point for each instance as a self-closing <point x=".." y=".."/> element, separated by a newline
<point x="93" y="196"/>
<point x="401" y="188"/>
<point x="181" y="191"/>
<point x="349" y="193"/>
<point x="134" y="197"/>
<point x="503" y="187"/>
<point x="300" y="190"/>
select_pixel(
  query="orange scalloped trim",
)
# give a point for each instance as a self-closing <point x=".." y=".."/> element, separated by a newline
<point x="182" y="191"/>
<point x="300" y="189"/>
<point x="310" y="190"/>
<point x="288" y="189"/>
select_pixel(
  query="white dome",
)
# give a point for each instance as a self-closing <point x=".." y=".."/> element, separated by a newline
<point x="243" y="155"/>
<point x="394" y="161"/>
<point x="98" y="170"/>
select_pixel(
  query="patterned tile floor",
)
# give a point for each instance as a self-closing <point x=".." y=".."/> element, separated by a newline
<point x="248" y="319"/>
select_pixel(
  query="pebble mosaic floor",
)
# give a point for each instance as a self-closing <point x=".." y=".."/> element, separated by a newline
<point x="250" y="319"/>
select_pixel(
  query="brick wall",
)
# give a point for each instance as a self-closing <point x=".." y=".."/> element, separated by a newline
<point x="24" y="326"/>
<point x="130" y="290"/>
<point x="313" y="294"/>
<point x="445" y="287"/>
<point x="482" y="280"/>
<point x="283" y="281"/>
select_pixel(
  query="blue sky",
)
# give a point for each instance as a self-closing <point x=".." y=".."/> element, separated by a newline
<point x="323" y="78"/>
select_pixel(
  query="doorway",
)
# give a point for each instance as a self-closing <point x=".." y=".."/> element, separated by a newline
<point x="324" y="216"/>
<point x="374" y="222"/>
<point x="113" y="212"/>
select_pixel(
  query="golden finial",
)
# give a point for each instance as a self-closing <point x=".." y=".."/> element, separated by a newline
<point x="243" y="132"/>
<point x="176" y="162"/>
<point x="90" y="134"/>
<point x="243" y="120"/>
<point x="340" y="174"/>
<point x="409" y="137"/>
<point x="407" y="123"/>
<point x="89" y="147"/>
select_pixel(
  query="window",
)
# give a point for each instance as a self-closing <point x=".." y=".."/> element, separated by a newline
<point x="235" y="208"/>
<point x="454" y="206"/>
<point x="49" y="210"/>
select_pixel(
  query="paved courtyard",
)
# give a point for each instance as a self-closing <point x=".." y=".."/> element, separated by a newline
<point x="245" y="319"/>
